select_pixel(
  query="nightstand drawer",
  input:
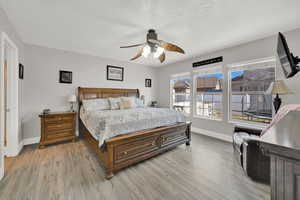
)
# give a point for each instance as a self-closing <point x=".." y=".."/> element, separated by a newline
<point x="54" y="119"/>
<point x="59" y="134"/>
<point x="60" y="126"/>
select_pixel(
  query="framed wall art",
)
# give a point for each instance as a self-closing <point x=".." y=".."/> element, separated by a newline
<point x="114" y="73"/>
<point x="148" y="82"/>
<point x="21" y="71"/>
<point x="65" y="77"/>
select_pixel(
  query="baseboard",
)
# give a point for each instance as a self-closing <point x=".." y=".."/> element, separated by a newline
<point x="33" y="140"/>
<point x="14" y="152"/>
<point x="20" y="147"/>
<point x="1" y="173"/>
<point x="213" y="134"/>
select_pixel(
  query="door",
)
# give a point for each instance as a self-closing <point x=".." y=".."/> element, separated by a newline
<point x="9" y="100"/>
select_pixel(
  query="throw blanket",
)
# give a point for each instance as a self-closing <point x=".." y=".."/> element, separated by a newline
<point x="106" y="124"/>
<point x="282" y="112"/>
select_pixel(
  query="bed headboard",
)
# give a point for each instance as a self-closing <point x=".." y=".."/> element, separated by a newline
<point x="94" y="93"/>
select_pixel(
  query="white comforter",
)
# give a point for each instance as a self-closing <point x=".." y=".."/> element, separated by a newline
<point x="106" y="124"/>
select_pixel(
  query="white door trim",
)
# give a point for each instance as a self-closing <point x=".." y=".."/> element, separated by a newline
<point x="1" y="111"/>
<point x="12" y="148"/>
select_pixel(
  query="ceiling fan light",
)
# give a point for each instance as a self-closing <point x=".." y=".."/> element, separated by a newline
<point x="146" y="51"/>
<point x="158" y="52"/>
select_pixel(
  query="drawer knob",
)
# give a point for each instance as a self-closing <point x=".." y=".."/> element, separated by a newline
<point x="125" y="152"/>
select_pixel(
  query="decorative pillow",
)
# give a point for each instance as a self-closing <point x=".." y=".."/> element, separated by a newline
<point x="139" y="103"/>
<point x="131" y="99"/>
<point x="125" y="105"/>
<point x="95" y="104"/>
<point x="114" y="103"/>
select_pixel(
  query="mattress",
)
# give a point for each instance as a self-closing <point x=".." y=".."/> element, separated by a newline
<point x="105" y="124"/>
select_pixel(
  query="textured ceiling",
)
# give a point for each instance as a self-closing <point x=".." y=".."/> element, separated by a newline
<point x="99" y="27"/>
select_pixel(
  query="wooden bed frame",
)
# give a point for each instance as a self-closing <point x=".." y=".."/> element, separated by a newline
<point x="125" y="150"/>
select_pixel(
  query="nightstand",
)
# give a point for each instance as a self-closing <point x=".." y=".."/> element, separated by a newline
<point x="57" y="127"/>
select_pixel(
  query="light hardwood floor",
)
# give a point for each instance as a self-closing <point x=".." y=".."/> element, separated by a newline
<point x="204" y="170"/>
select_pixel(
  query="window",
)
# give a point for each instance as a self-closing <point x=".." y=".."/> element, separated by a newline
<point x="209" y="93"/>
<point x="249" y="83"/>
<point x="181" y="93"/>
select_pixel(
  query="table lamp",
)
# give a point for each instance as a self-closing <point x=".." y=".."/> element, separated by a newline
<point x="143" y="98"/>
<point x="72" y="100"/>
<point x="278" y="87"/>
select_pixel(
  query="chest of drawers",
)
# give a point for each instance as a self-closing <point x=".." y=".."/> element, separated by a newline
<point x="57" y="127"/>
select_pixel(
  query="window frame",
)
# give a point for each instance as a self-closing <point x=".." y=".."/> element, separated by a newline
<point x="181" y="75"/>
<point x="210" y="69"/>
<point x="243" y="66"/>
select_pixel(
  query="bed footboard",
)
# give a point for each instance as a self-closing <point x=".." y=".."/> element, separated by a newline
<point x="129" y="149"/>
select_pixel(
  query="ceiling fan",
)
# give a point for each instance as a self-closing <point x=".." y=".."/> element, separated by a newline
<point x="155" y="46"/>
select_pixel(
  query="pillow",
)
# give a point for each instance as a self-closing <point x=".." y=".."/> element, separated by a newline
<point x="139" y="103"/>
<point x="95" y="104"/>
<point x="114" y="103"/>
<point x="125" y="105"/>
<point x="131" y="99"/>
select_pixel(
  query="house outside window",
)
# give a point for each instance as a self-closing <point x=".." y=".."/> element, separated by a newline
<point x="209" y="93"/>
<point x="248" y="85"/>
<point x="181" y="93"/>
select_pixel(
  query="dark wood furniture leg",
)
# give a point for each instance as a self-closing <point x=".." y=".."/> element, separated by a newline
<point x="188" y="134"/>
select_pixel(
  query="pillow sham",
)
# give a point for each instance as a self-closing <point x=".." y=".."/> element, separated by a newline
<point x="114" y="103"/>
<point x="95" y="104"/>
<point x="131" y="99"/>
<point x="139" y="103"/>
<point x="125" y="105"/>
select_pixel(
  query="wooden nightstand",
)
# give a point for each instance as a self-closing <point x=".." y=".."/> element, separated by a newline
<point x="57" y="127"/>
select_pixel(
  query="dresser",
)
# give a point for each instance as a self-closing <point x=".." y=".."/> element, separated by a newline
<point x="282" y="144"/>
<point x="57" y="127"/>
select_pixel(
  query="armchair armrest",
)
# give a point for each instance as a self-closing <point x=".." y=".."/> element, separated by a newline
<point x="250" y="131"/>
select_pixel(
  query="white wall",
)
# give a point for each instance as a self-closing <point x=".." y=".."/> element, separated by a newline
<point x="40" y="88"/>
<point x="43" y="90"/>
<point x="5" y="26"/>
<point x="254" y="50"/>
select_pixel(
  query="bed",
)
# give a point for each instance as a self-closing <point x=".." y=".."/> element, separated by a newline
<point x="135" y="142"/>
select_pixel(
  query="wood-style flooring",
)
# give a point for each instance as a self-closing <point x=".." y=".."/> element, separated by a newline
<point x="204" y="170"/>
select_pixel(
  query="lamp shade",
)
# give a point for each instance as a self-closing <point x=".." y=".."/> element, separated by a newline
<point x="72" y="98"/>
<point x="278" y="87"/>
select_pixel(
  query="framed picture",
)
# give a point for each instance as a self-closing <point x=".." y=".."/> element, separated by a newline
<point x="114" y="73"/>
<point x="65" y="77"/>
<point x="148" y="82"/>
<point x="21" y="71"/>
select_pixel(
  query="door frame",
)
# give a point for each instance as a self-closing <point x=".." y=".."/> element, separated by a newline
<point x="13" y="147"/>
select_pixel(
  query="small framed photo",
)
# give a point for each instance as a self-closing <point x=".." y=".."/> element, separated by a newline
<point x="148" y="82"/>
<point x="114" y="73"/>
<point x="21" y="71"/>
<point x="65" y="77"/>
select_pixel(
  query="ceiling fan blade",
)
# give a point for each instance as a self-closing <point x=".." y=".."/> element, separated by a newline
<point x="162" y="57"/>
<point x="135" y="45"/>
<point x="137" y="55"/>
<point x="171" y="47"/>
